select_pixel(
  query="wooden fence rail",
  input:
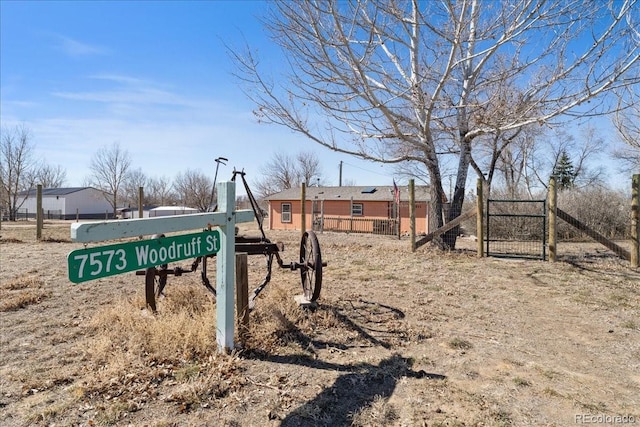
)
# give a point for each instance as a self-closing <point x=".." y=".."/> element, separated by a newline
<point x="387" y="227"/>
<point x="556" y="212"/>
<point x="620" y="251"/>
<point x="448" y="226"/>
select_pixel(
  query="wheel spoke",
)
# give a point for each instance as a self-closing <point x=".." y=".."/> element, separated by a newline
<point x="311" y="272"/>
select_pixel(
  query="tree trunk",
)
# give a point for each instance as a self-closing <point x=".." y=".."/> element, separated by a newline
<point x="436" y="192"/>
<point x="455" y="205"/>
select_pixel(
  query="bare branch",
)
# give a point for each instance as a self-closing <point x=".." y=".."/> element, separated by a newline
<point x="284" y="171"/>
<point x="394" y="81"/>
<point x="18" y="168"/>
<point x="193" y="189"/>
<point x="109" y="168"/>
<point x="627" y="124"/>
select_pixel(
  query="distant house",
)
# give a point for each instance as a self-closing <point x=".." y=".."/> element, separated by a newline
<point x="154" y="211"/>
<point x="130" y="212"/>
<point x="171" y="210"/>
<point x="68" y="203"/>
<point x="355" y="209"/>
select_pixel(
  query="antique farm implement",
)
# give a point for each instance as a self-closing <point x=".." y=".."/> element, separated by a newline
<point x="309" y="263"/>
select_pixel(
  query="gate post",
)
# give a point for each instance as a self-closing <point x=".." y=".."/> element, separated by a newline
<point x="635" y="214"/>
<point x="553" y="205"/>
<point x="480" y="218"/>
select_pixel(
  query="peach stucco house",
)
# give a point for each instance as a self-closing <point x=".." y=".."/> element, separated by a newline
<point x="355" y="209"/>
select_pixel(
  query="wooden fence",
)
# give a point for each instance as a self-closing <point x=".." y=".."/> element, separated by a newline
<point x="386" y="227"/>
<point x="554" y="213"/>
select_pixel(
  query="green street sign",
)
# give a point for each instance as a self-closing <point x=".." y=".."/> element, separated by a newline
<point x="103" y="261"/>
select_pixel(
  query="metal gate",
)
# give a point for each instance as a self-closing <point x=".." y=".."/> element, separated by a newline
<point x="517" y="228"/>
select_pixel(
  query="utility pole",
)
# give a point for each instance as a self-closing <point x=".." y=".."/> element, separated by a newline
<point x="340" y="175"/>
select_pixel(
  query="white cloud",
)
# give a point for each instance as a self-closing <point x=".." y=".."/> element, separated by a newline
<point x="164" y="129"/>
<point x="119" y="78"/>
<point x="126" y="92"/>
<point x="158" y="147"/>
<point x="74" y="47"/>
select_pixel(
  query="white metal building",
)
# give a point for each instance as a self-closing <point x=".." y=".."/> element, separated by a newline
<point x="69" y="203"/>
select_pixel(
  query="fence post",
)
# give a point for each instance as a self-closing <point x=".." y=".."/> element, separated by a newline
<point x="398" y="216"/>
<point x="140" y="205"/>
<point x="635" y="214"/>
<point x="412" y="213"/>
<point x="480" y="218"/>
<point x="242" y="296"/>
<point x="39" y="212"/>
<point x="553" y="211"/>
<point x="351" y="215"/>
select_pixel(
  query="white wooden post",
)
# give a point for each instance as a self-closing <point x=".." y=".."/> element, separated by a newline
<point x="225" y="219"/>
<point x="225" y="276"/>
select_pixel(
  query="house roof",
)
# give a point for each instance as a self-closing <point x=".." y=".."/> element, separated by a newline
<point x="358" y="193"/>
<point x="63" y="191"/>
<point x="135" y="208"/>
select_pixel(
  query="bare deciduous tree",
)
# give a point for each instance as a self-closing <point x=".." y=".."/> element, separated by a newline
<point x="512" y="161"/>
<point x="194" y="189"/>
<point x="51" y="176"/>
<point x="109" y="168"/>
<point x="309" y="167"/>
<point x="18" y="168"/>
<point x="401" y="81"/>
<point x="284" y="171"/>
<point x="160" y="191"/>
<point x="135" y="179"/>
<point x="627" y="123"/>
<point x="582" y="153"/>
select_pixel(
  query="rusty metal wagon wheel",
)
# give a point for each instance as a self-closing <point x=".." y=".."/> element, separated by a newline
<point x="311" y="266"/>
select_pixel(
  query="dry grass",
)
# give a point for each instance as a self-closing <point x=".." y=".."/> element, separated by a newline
<point x="183" y="329"/>
<point x="25" y="231"/>
<point x="397" y="339"/>
<point x="135" y="354"/>
<point x="21" y="292"/>
<point x="378" y="413"/>
<point x="279" y="323"/>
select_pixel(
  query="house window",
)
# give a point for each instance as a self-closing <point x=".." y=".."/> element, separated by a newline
<point x="286" y="212"/>
<point x="356" y="209"/>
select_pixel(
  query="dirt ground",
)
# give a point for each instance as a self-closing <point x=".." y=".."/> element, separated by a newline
<point x="398" y="339"/>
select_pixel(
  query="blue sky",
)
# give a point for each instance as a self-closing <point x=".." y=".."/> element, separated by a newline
<point x="152" y="76"/>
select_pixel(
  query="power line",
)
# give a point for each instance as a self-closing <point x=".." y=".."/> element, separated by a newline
<point x="366" y="170"/>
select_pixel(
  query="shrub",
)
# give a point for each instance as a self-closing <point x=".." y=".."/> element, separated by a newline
<point x="606" y="211"/>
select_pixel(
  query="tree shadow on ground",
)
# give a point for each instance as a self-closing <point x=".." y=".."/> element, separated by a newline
<point x="359" y="385"/>
<point x="351" y="392"/>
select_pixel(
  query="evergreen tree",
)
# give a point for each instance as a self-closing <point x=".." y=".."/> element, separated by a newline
<point x="564" y="172"/>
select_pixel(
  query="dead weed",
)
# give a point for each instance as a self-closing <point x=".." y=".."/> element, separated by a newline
<point x="22" y="292"/>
